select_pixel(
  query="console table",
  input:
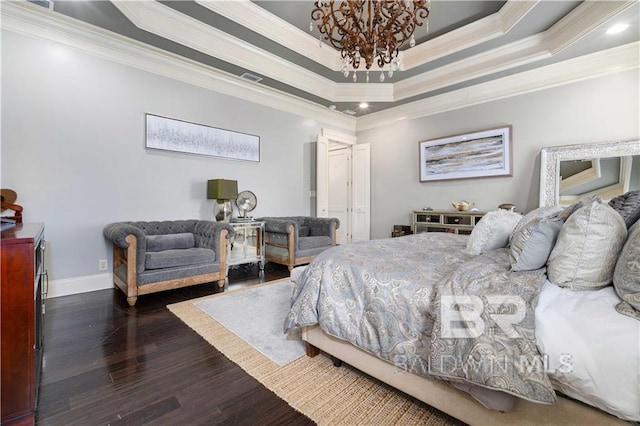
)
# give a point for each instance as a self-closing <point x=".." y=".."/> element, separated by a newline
<point x="247" y="244"/>
<point x="24" y="282"/>
<point x="452" y="221"/>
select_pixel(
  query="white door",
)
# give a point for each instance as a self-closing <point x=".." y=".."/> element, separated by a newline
<point x="339" y="190"/>
<point x="359" y="218"/>
<point x="361" y="193"/>
<point x="322" y="177"/>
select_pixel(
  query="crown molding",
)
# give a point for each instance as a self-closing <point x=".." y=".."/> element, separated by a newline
<point x="368" y="92"/>
<point x="35" y="21"/>
<point x="265" y="23"/>
<point x="470" y="35"/>
<point x="38" y="22"/>
<point x="261" y="21"/>
<point x="618" y="59"/>
<point x="166" y="22"/>
<point x="499" y="59"/>
<point x="581" y="21"/>
<point x="171" y="24"/>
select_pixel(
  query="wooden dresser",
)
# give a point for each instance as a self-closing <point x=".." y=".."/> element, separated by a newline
<point x="23" y="287"/>
<point x="453" y="221"/>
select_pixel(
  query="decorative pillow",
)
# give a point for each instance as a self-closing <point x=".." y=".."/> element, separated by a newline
<point x="587" y="248"/>
<point x="303" y="231"/>
<point x="540" y="212"/>
<point x="626" y="276"/>
<point x="532" y="243"/>
<point x="628" y="205"/>
<point x="170" y="241"/>
<point x="492" y="231"/>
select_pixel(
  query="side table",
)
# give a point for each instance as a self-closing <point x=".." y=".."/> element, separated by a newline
<point x="247" y="244"/>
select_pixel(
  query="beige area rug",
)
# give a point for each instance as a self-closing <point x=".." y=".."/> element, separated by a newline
<point x="313" y="386"/>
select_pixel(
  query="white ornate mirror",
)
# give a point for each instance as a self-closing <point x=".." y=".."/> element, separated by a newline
<point x="606" y="169"/>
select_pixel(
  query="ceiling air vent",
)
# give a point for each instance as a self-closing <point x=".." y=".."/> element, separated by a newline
<point x="349" y="112"/>
<point x="251" y="77"/>
<point x="44" y="3"/>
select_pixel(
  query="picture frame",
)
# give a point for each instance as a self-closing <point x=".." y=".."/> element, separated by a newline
<point x="170" y="134"/>
<point x="485" y="153"/>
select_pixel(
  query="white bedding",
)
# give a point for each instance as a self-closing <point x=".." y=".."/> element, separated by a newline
<point x="581" y="331"/>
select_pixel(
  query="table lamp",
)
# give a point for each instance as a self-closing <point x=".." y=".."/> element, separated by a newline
<point x="223" y="191"/>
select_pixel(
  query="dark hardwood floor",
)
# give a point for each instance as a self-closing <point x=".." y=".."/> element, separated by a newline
<point x="108" y="363"/>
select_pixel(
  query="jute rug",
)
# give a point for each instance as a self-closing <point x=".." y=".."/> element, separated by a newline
<point x="313" y="386"/>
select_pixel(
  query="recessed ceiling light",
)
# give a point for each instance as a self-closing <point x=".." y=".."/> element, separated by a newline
<point x="364" y="105"/>
<point x="617" y="28"/>
<point x="349" y="112"/>
<point x="331" y="107"/>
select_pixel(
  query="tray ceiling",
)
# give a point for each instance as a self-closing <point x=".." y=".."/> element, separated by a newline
<point x="468" y="42"/>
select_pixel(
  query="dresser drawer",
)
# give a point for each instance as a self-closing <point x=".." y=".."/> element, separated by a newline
<point x="445" y="221"/>
<point x="428" y="218"/>
<point x="458" y="220"/>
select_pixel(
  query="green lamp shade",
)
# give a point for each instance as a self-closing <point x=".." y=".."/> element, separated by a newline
<point x="221" y="189"/>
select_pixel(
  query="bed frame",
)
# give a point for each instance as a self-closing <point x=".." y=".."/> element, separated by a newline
<point x="450" y="400"/>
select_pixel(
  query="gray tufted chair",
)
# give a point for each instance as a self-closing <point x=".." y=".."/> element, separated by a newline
<point x="297" y="240"/>
<point x="154" y="256"/>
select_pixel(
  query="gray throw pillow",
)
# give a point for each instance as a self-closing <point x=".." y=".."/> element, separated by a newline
<point x="628" y="205"/>
<point x="303" y="231"/>
<point x="626" y="277"/>
<point x="170" y="242"/>
<point x="540" y="212"/>
<point x="532" y="243"/>
<point x="587" y="248"/>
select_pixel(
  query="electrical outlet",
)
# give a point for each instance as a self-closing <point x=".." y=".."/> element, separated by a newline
<point x="103" y="265"/>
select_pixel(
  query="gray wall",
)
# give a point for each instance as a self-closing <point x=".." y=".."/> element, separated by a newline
<point x="601" y="109"/>
<point x="73" y="149"/>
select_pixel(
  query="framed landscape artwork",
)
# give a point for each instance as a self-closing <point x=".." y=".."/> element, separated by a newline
<point x="480" y="154"/>
<point x="182" y="136"/>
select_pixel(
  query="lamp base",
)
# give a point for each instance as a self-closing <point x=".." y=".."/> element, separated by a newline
<point x="223" y="211"/>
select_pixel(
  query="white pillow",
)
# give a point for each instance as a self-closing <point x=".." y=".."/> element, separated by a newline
<point x="587" y="248"/>
<point x="492" y="231"/>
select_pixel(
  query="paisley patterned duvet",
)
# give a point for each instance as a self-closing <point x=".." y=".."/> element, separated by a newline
<point x="389" y="297"/>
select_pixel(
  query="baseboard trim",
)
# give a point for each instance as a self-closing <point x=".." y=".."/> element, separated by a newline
<point x="77" y="285"/>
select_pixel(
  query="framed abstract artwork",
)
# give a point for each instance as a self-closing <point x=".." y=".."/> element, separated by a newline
<point x="182" y="136"/>
<point x="479" y="154"/>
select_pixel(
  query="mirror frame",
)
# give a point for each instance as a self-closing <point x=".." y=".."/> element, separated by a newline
<point x="550" y="158"/>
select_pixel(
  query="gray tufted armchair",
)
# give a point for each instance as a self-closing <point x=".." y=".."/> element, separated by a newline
<point x="154" y="256"/>
<point x="297" y="240"/>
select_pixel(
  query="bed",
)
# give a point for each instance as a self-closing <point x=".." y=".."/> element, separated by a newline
<point x="446" y="319"/>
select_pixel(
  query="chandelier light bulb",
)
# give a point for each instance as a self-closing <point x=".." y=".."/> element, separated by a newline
<point x="355" y="77"/>
<point x="412" y="41"/>
<point x="382" y="77"/>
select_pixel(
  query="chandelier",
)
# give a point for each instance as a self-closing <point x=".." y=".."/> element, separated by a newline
<point x="369" y="30"/>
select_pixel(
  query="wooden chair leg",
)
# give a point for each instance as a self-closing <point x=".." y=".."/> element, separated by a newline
<point x="311" y="350"/>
